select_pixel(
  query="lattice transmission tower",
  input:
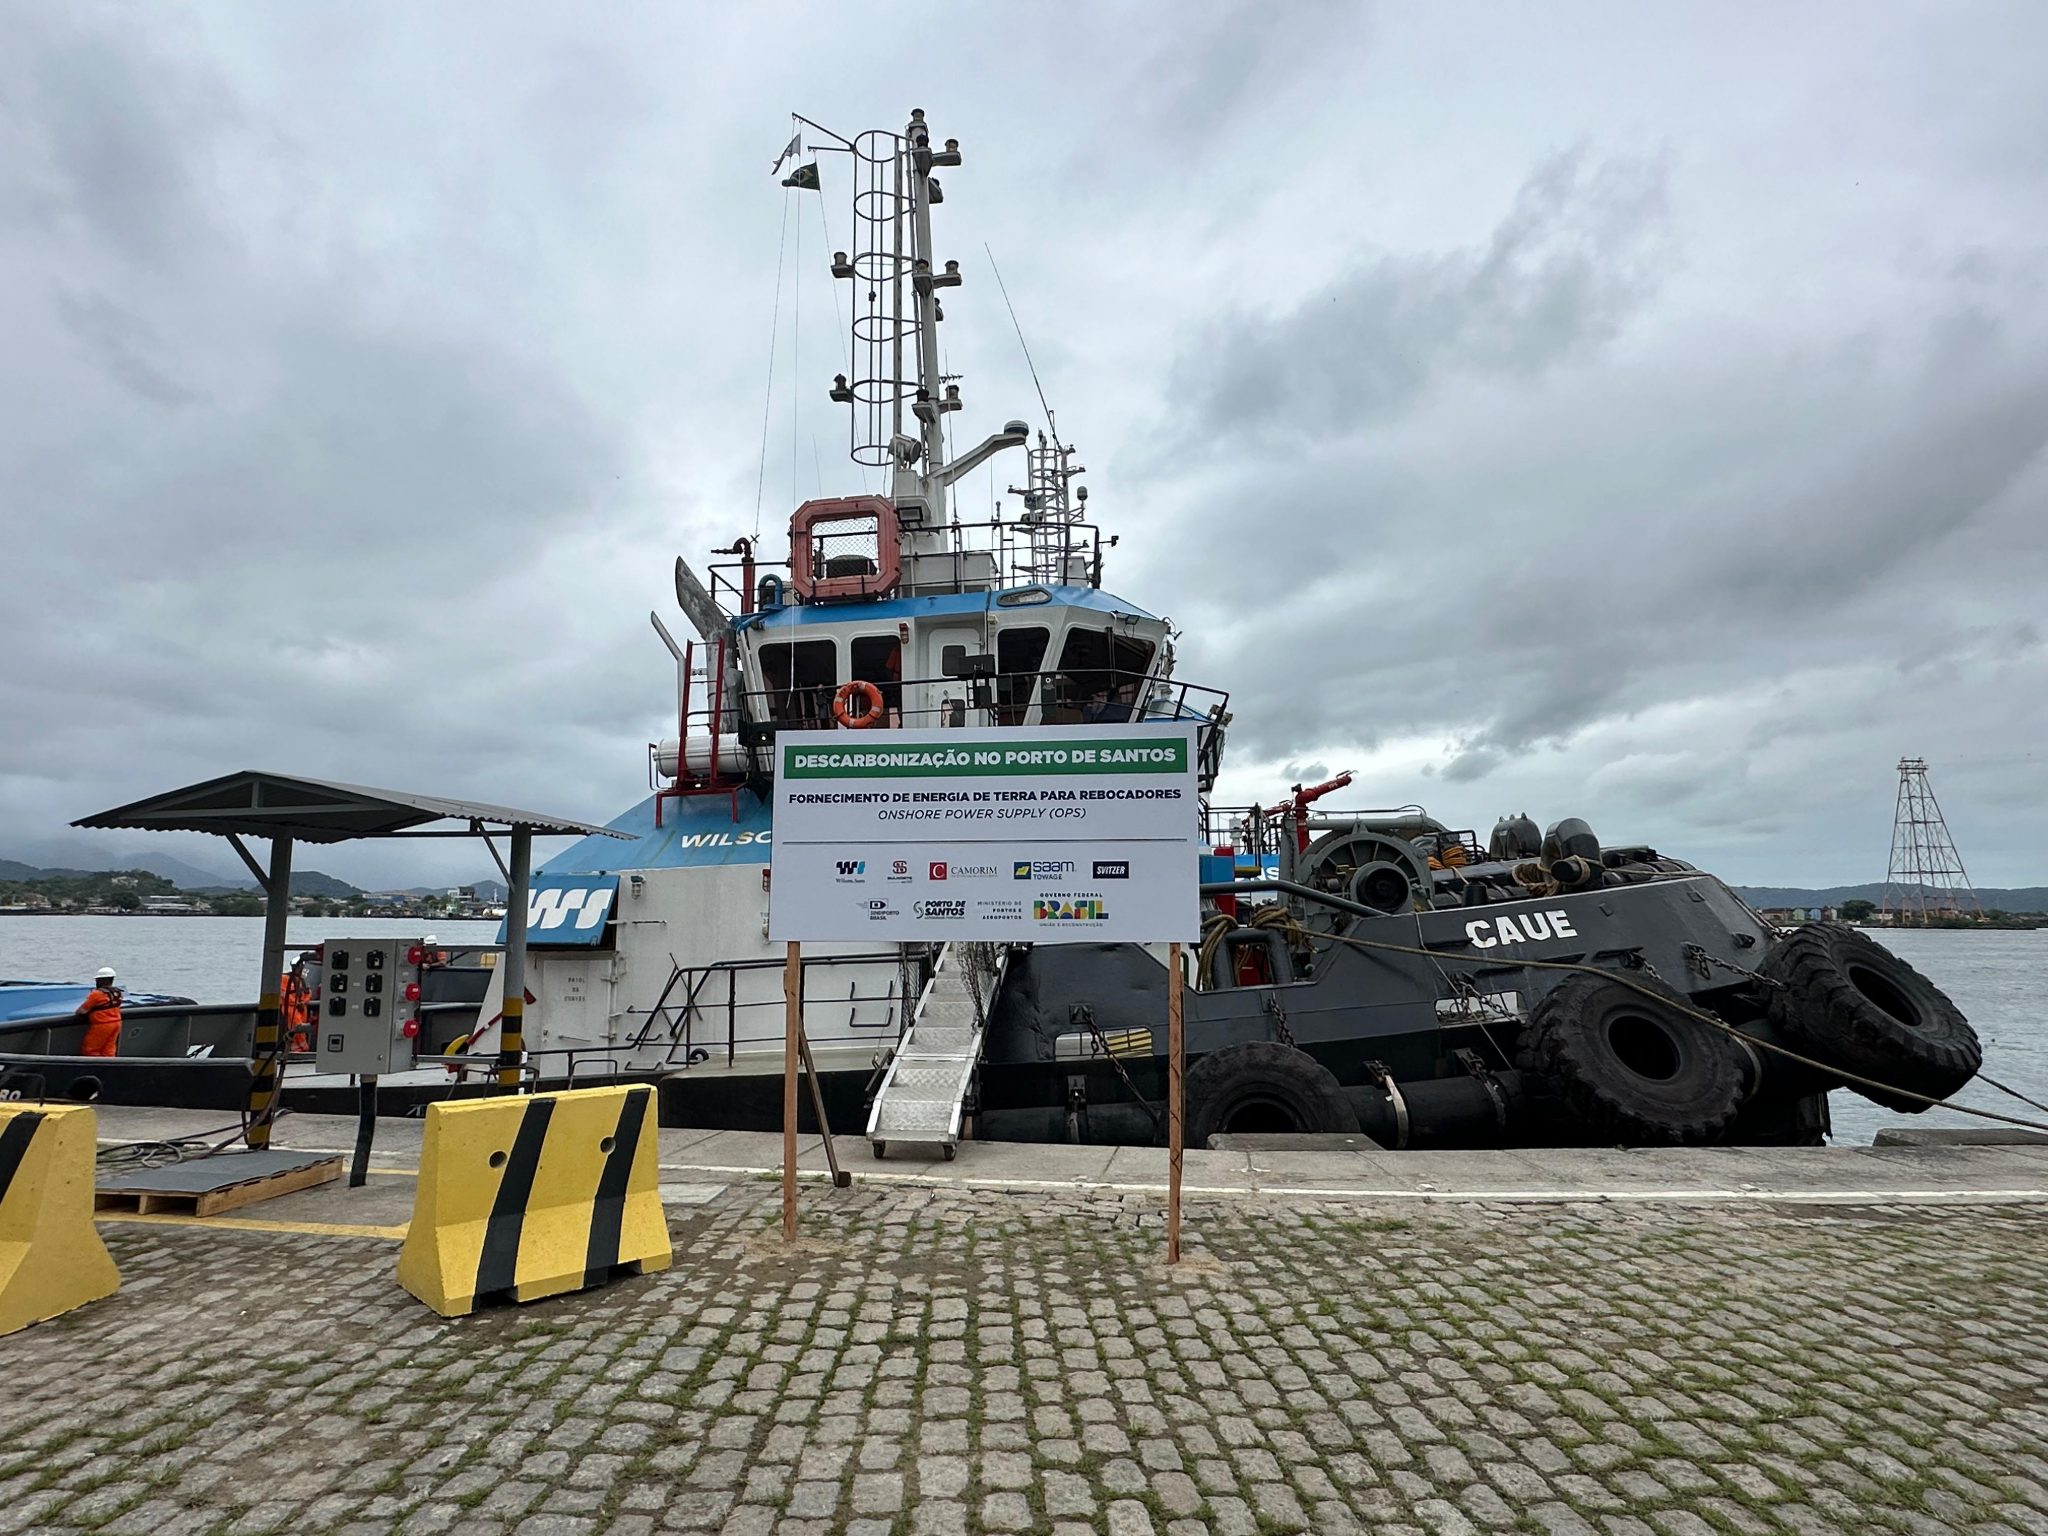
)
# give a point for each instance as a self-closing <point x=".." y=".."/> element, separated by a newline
<point x="1926" y="880"/>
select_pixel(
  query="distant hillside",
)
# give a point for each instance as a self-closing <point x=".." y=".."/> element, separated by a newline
<point x="305" y="882"/>
<point x="93" y="855"/>
<point x="2028" y="898"/>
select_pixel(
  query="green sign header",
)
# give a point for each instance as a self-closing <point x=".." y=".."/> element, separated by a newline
<point x="1080" y="758"/>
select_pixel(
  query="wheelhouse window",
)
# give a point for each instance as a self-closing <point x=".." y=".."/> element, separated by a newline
<point x="1020" y="657"/>
<point x="800" y="677"/>
<point x="1099" y="677"/>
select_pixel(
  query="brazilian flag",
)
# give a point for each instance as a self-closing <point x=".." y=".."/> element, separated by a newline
<point x="804" y="178"/>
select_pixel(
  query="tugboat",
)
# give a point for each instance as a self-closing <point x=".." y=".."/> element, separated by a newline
<point x="1372" y="972"/>
<point x="1378" y="972"/>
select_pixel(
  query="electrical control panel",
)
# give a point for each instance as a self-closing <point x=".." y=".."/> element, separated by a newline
<point x="369" y="1005"/>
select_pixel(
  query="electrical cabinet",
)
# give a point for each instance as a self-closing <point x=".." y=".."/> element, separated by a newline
<point x="369" y="1004"/>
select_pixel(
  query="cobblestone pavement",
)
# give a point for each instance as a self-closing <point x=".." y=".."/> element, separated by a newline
<point x="950" y="1361"/>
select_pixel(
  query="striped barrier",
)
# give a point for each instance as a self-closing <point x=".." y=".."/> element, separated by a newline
<point x="51" y="1256"/>
<point x="534" y="1196"/>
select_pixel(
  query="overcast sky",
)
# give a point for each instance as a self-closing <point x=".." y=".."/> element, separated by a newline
<point x="1634" y="412"/>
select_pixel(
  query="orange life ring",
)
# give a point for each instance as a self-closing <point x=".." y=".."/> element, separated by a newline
<point x="857" y="690"/>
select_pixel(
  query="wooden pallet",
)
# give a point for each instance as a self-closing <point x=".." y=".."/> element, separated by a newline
<point x="210" y="1186"/>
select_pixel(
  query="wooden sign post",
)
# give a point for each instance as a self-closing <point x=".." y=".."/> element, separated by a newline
<point x="1173" y="1103"/>
<point x="793" y="1023"/>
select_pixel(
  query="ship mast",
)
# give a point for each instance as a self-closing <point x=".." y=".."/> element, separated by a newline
<point x="896" y="314"/>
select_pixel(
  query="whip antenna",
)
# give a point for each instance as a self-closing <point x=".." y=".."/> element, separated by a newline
<point x="1024" y="345"/>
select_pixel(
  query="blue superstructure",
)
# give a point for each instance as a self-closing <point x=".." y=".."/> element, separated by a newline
<point x="941" y="605"/>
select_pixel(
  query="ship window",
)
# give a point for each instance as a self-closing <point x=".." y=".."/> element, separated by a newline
<point x="1099" y="676"/>
<point x="1020" y="653"/>
<point x="878" y="659"/>
<point x="800" y="677"/>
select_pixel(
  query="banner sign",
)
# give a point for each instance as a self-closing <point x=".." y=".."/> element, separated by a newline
<point x="1028" y="834"/>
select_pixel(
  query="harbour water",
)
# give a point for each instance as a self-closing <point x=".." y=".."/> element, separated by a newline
<point x="208" y="959"/>
<point x="1994" y="977"/>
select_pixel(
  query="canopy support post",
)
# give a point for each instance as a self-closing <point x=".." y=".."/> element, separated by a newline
<point x="266" y="1053"/>
<point x="248" y="858"/>
<point x="512" y="1023"/>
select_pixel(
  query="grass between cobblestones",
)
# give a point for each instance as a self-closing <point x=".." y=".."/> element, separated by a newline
<point x="953" y="1361"/>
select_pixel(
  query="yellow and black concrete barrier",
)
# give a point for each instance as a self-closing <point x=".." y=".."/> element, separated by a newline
<point x="51" y="1256"/>
<point x="522" y="1198"/>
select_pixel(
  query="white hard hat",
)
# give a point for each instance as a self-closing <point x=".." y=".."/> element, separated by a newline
<point x="105" y="973"/>
<point x="430" y="939"/>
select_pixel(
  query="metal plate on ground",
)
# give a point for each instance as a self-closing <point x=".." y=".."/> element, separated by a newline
<point x="206" y="1186"/>
<point x="690" y="1194"/>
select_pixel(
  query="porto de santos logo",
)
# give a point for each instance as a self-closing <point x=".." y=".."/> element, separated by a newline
<point x="1080" y="909"/>
<point x="940" y="910"/>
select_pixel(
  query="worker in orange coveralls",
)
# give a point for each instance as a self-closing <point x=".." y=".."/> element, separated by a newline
<point x="101" y="1011"/>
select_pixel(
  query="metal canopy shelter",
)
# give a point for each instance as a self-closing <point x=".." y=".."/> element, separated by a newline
<point x="284" y="809"/>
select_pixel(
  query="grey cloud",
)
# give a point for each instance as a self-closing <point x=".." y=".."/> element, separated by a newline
<point x="362" y="383"/>
<point x="122" y="142"/>
<point x="121" y="342"/>
<point x="1580" y="250"/>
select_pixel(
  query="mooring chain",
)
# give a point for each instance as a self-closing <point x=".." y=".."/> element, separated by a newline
<point x="1280" y="1028"/>
<point x="1083" y="1014"/>
<point x="1703" y="963"/>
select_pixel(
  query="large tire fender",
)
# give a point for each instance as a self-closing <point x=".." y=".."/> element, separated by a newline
<point x="1847" y="1000"/>
<point x="1620" y="1056"/>
<point x="1263" y="1074"/>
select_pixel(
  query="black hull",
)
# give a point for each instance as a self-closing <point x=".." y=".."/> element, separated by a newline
<point x="1075" y="1040"/>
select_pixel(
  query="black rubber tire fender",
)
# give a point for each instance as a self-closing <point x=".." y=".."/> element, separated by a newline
<point x="1849" y="1001"/>
<point x="1263" y="1074"/>
<point x="1629" y="1063"/>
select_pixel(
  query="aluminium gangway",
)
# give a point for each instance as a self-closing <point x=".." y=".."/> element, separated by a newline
<point x="924" y="1091"/>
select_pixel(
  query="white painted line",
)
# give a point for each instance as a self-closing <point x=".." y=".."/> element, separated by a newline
<point x="1446" y="1196"/>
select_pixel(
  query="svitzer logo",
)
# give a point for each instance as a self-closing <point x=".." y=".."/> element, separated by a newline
<point x="1112" y="869"/>
<point x="1082" y="909"/>
<point x="1041" y="869"/>
<point x="944" y="910"/>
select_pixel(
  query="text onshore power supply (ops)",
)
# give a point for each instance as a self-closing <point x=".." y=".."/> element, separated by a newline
<point x="367" y="1017"/>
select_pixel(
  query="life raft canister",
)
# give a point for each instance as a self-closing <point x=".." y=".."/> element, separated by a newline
<point x="842" y="702"/>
